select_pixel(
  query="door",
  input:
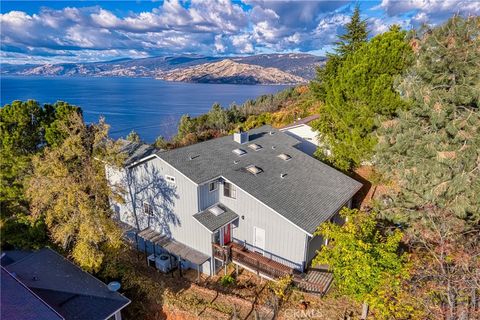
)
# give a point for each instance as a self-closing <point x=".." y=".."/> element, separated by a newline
<point x="227" y="234"/>
<point x="259" y="239"/>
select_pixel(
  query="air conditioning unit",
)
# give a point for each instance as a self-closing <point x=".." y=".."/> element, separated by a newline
<point x="163" y="263"/>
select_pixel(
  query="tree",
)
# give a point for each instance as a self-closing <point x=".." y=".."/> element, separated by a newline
<point x="431" y="151"/>
<point x="69" y="190"/>
<point x="359" y="96"/>
<point x="133" y="136"/>
<point x="356" y="35"/>
<point x="217" y="118"/>
<point x="25" y="129"/>
<point x="365" y="262"/>
<point x="352" y="40"/>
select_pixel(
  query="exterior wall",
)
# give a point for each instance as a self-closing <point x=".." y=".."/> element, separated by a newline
<point x="207" y="198"/>
<point x="284" y="242"/>
<point x="316" y="243"/>
<point x="173" y="204"/>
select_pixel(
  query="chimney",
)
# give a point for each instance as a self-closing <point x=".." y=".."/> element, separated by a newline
<point x="240" y="137"/>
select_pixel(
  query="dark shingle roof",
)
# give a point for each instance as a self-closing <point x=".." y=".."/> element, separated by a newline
<point x="20" y="303"/>
<point x="135" y="151"/>
<point x="73" y="293"/>
<point x="307" y="195"/>
<point x="213" y="222"/>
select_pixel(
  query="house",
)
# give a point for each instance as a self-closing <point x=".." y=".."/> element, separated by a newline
<point x="253" y="198"/>
<point x="44" y="285"/>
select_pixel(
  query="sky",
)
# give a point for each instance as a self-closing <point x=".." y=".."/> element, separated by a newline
<point x="80" y="31"/>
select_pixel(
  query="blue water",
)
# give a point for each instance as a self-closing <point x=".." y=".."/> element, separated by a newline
<point x="148" y="106"/>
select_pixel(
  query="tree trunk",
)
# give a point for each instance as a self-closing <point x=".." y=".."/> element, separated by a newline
<point x="364" y="311"/>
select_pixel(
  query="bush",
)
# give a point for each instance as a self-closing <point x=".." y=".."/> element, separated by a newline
<point x="227" y="280"/>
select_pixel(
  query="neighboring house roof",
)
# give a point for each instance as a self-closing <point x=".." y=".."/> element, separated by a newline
<point x="213" y="222"/>
<point x="305" y="191"/>
<point x="305" y="120"/>
<point x="71" y="292"/>
<point x="135" y="151"/>
<point x="20" y="303"/>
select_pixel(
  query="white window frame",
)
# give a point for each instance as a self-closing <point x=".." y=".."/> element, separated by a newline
<point x="169" y="178"/>
<point x="215" y="186"/>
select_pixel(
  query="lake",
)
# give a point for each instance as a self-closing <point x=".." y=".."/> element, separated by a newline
<point x="148" y="106"/>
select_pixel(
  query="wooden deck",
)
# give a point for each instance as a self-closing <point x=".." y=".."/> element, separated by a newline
<point x="316" y="281"/>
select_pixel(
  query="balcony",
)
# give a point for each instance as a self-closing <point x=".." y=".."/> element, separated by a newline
<point x="251" y="260"/>
<point x="316" y="281"/>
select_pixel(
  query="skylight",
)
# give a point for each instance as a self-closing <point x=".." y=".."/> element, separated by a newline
<point x="285" y="156"/>
<point x="239" y="152"/>
<point x="216" y="210"/>
<point x="254" y="169"/>
<point x="255" y="146"/>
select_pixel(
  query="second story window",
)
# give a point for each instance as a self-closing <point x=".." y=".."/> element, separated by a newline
<point x="229" y="190"/>
<point x="212" y="186"/>
<point x="147" y="209"/>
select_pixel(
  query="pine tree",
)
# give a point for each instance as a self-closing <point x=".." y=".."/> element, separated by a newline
<point x="356" y="35"/>
<point x="431" y="153"/>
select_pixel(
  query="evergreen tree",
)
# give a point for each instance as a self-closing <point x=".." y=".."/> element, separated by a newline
<point x="25" y="129"/>
<point x="356" y="35"/>
<point x="431" y="152"/>
<point x="359" y="95"/>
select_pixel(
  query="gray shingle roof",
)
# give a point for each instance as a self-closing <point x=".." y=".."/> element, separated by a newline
<point x="72" y="292"/>
<point x="135" y="151"/>
<point x="213" y="222"/>
<point x="20" y="303"/>
<point x="307" y="195"/>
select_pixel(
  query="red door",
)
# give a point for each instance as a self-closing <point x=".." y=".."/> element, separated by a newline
<point x="226" y="234"/>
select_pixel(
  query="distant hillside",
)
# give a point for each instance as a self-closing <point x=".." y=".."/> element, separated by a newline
<point x="229" y="71"/>
<point x="300" y="65"/>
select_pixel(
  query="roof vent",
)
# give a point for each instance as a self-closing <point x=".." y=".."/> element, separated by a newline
<point x="271" y="133"/>
<point x="285" y="156"/>
<point x="240" y="137"/>
<point x="283" y="175"/>
<point x="255" y="146"/>
<point x="216" y="210"/>
<point x="194" y="157"/>
<point x="236" y="161"/>
<point x="254" y="169"/>
<point x="274" y="147"/>
<point x="239" y="152"/>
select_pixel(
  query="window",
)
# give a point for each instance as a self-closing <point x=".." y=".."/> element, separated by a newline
<point x="212" y="186"/>
<point x="229" y="190"/>
<point x="284" y="156"/>
<point x="254" y="169"/>
<point x="147" y="209"/>
<point x="239" y="152"/>
<point x="170" y="179"/>
<point x="255" y="146"/>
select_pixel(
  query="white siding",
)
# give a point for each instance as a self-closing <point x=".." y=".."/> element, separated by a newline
<point x="284" y="242"/>
<point x="173" y="203"/>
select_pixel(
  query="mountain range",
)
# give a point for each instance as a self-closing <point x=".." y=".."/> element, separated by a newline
<point x="289" y="68"/>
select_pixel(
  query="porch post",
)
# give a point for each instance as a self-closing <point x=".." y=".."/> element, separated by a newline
<point x="145" y="249"/>
<point x="198" y="273"/>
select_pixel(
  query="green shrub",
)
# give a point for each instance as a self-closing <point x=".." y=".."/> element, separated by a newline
<point x="227" y="280"/>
